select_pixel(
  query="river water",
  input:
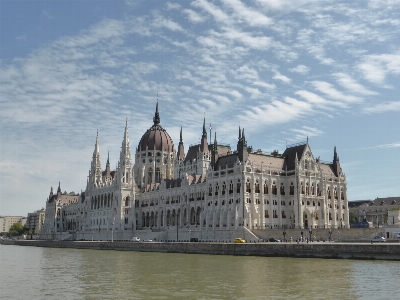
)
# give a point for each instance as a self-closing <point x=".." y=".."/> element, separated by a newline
<point x="53" y="273"/>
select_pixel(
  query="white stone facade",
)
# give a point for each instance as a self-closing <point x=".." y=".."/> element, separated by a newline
<point x="210" y="189"/>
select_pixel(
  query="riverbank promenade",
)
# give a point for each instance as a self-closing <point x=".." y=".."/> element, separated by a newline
<point x="377" y="251"/>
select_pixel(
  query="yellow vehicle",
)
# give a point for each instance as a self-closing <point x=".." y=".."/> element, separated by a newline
<point x="239" y="240"/>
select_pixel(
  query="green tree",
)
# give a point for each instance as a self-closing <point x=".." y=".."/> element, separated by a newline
<point x="352" y="217"/>
<point x="16" y="229"/>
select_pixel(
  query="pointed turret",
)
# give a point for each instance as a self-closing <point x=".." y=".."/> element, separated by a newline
<point x="214" y="154"/>
<point x="242" y="146"/>
<point x="335" y="157"/>
<point x="108" y="171"/>
<point x="125" y="165"/>
<point x="204" y="143"/>
<point x="336" y="164"/>
<point x="51" y="193"/>
<point x="96" y="165"/>
<point x="59" y="188"/>
<point x="181" y="149"/>
<point x="156" y="118"/>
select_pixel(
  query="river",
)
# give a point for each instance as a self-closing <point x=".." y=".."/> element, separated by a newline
<point x="54" y="273"/>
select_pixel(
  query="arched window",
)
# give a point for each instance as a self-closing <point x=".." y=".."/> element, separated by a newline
<point x="231" y="187"/>
<point x="265" y="187"/>
<point x="274" y="189"/>
<point x="238" y="186"/>
<point x="257" y="187"/>
<point x="150" y="175"/>
<point x="248" y="188"/>
<point x="282" y="189"/>
<point x="158" y="175"/>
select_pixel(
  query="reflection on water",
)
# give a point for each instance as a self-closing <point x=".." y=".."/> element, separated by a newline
<point x="46" y="273"/>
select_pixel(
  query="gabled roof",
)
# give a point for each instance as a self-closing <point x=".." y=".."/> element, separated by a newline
<point x="267" y="162"/>
<point x="227" y="161"/>
<point x="290" y="156"/>
<point x="328" y="171"/>
<point x="171" y="183"/>
<point x="192" y="152"/>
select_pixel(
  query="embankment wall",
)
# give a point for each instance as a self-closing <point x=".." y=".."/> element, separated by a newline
<point x="386" y="251"/>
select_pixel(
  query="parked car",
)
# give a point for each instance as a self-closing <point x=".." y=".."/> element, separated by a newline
<point x="136" y="239"/>
<point x="273" y="240"/>
<point x="147" y="241"/>
<point x="194" y="240"/>
<point x="378" y="239"/>
<point x="239" y="240"/>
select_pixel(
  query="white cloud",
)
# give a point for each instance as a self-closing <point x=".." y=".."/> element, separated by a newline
<point x="311" y="97"/>
<point x="170" y="6"/>
<point x="384" y="146"/>
<point x="277" y="112"/>
<point x="306" y="131"/>
<point x="333" y="93"/>
<point x="350" y="84"/>
<point x="283" y="78"/>
<point x="301" y="69"/>
<point x="250" y="16"/>
<point x="213" y="10"/>
<point x="376" y="67"/>
<point x="160" y="21"/>
<point x="383" y="107"/>
<point x="46" y="13"/>
<point x="193" y="16"/>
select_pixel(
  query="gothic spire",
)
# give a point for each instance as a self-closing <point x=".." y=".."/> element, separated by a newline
<point x="204" y="128"/>
<point x="181" y="149"/>
<point x="156" y="118"/>
<point x="335" y="157"/>
<point x="204" y="143"/>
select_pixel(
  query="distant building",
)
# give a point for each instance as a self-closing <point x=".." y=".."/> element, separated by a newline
<point x="35" y="220"/>
<point x="210" y="190"/>
<point x="374" y="211"/>
<point x="7" y="221"/>
<point x="60" y="213"/>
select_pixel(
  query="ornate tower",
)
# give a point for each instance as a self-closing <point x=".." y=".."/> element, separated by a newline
<point x="95" y="170"/>
<point x="125" y="165"/>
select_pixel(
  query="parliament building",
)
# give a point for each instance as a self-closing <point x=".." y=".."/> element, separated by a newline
<point x="211" y="192"/>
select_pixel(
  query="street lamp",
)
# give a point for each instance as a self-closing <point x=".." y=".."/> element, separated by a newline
<point x="330" y="234"/>
<point x="284" y="233"/>
<point x="177" y="227"/>
<point x="310" y="231"/>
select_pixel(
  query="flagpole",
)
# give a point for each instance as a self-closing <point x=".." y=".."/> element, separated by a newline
<point x="210" y="133"/>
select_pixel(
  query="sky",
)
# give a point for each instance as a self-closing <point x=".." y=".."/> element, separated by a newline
<point x="284" y="71"/>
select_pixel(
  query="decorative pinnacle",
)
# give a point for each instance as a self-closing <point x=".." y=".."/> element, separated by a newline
<point x="156" y="118"/>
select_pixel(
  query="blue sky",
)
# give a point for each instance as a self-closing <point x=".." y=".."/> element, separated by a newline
<point x="283" y="70"/>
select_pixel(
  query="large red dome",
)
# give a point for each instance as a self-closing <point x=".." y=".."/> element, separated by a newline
<point x="156" y="138"/>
